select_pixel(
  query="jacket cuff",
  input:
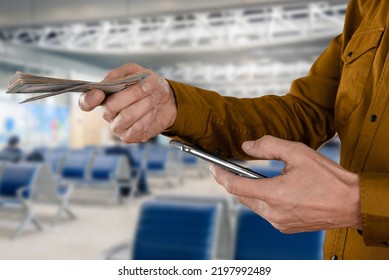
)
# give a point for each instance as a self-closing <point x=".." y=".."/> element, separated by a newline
<point x="374" y="193"/>
<point x="191" y="112"/>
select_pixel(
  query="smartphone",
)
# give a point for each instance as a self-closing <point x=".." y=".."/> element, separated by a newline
<point x="230" y="166"/>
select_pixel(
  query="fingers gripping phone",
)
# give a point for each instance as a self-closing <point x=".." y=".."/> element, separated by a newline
<point x="230" y="166"/>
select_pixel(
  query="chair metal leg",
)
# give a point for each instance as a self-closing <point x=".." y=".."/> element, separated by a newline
<point x="64" y="208"/>
<point x="28" y="219"/>
<point x="70" y="213"/>
<point x="58" y="216"/>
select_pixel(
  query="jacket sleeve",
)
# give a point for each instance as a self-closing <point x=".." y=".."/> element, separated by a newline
<point x="221" y="124"/>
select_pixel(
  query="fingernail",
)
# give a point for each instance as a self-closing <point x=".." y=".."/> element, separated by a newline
<point x="146" y="87"/>
<point x="212" y="170"/>
<point x="96" y="97"/>
<point x="248" y="145"/>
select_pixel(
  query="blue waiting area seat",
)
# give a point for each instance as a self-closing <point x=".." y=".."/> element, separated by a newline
<point x="169" y="230"/>
<point x="76" y="167"/>
<point x="173" y="230"/>
<point x="17" y="182"/>
<point x="225" y="239"/>
<point x="55" y="160"/>
<point x="134" y="153"/>
<point x="24" y="184"/>
<point x="139" y="165"/>
<point x="99" y="172"/>
<point x="257" y="239"/>
<point x="50" y="189"/>
<point x="112" y="172"/>
<point x="162" y="161"/>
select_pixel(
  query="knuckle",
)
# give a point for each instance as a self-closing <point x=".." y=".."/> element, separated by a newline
<point x="123" y="119"/>
<point x="136" y="91"/>
<point x="229" y="186"/>
<point x="156" y="98"/>
<point x="264" y="142"/>
<point x="133" y="93"/>
<point x="297" y="147"/>
<point x="131" y="136"/>
<point x="116" y="129"/>
<point x="107" y="118"/>
<point x="267" y="138"/>
<point x="108" y="115"/>
<point x="145" y="138"/>
<point x="109" y="106"/>
<point x="276" y="218"/>
<point x="217" y="177"/>
<point x="282" y="228"/>
<point x="298" y="152"/>
<point x="140" y="128"/>
<point x="300" y="146"/>
<point x="111" y="75"/>
<point x="130" y="65"/>
<point x="149" y="102"/>
<point x="126" y="138"/>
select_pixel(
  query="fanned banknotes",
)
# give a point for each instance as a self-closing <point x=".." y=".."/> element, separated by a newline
<point x="27" y="83"/>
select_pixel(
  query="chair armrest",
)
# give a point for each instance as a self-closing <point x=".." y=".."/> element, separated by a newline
<point x="65" y="185"/>
<point x="20" y="194"/>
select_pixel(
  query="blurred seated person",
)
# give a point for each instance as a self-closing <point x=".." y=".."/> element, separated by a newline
<point x="12" y="152"/>
<point x="35" y="156"/>
<point x="119" y="148"/>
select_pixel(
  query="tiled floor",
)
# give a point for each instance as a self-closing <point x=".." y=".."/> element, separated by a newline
<point x="97" y="228"/>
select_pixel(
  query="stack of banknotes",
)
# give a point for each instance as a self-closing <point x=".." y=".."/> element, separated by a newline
<point x="27" y="83"/>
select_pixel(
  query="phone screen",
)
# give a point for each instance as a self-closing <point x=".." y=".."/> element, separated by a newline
<point x="230" y="166"/>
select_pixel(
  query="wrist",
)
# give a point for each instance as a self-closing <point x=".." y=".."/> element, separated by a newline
<point x="355" y="210"/>
<point x="172" y="105"/>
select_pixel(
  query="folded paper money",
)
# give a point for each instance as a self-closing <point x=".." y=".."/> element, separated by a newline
<point x="27" y="83"/>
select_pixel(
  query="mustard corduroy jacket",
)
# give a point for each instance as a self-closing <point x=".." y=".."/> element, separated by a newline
<point x="345" y="92"/>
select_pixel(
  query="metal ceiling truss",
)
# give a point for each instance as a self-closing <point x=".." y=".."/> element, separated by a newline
<point x="242" y="80"/>
<point x="249" y="27"/>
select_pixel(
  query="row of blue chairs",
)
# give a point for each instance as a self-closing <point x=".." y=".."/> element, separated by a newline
<point x="24" y="184"/>
<point x="195" y="228"/>
<point x="94" y="171"/>
<point x="56" y="178"/>
<point x="145" y="162"/>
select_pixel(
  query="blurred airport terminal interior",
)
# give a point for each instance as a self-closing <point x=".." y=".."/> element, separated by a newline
<point x="70" y="190"/>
